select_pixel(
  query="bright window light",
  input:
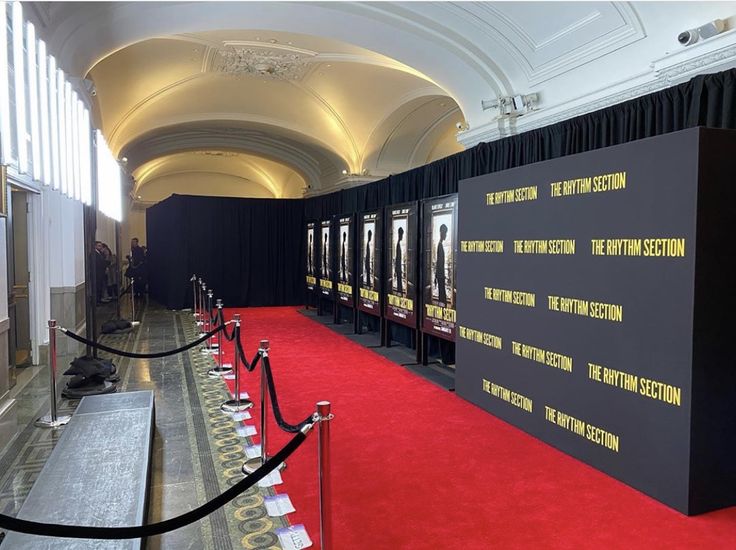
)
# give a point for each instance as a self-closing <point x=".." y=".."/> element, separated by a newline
<point x="75" y="105"/>
<point x="86" y="158"/>
<point x="109" y="181"/>
<point x="62" y="131"/>
<point x="33" y="105"/>
<point x="69" y="136"/>
<point x="5" y="141"/>
<point x="54" y="105"/>
<point x="20" y="87"/>
<point x="43" y="96"/>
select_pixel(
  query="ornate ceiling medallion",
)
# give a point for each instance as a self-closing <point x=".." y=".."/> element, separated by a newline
<point x="238" y="61"/>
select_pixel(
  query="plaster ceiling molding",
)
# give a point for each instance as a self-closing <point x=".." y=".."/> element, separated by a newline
<point x="85" y="33"/>
<point x="547" y="39"/>
<point x="253" y="59"/>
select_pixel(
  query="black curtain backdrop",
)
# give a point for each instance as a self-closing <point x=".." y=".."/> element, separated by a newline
<point x="249" y="251"/>
<point x="184" y="232"/>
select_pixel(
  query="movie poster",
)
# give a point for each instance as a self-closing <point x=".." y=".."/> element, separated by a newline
<point x="440" y="223"/>
<point x="369" y="263"/>
<point x="326" y="276"/>
<point x="345" y="261"/>
<point x="400" y="290"/>
<point x="312" y="258"/>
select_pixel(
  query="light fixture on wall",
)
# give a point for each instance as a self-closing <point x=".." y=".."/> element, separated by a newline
<point x="512" y="106"/>
<point x="363" y="172"/>
<point x="709" y="30"/>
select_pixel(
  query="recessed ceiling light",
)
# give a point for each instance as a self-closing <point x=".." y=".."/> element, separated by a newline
<point x="273" y="41"/>
<point x="328" y="65"/>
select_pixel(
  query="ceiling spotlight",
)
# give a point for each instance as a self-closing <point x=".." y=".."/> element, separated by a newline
<point x="124" y="160"/>
<point x="344" y="172"/>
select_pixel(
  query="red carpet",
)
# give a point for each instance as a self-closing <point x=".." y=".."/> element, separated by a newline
<point x="416" y="467"/>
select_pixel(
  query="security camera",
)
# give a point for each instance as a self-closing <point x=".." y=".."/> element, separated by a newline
<point x="686" y="38"/>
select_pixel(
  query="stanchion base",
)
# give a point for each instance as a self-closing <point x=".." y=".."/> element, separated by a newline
<point x="252" y="464"/>
<point x="217" y="372"/>
<point x="46" y="422"/>
<point x="232" y="406"/>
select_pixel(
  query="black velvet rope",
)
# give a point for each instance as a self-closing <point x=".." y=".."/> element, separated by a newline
<point x="155" y="355"/>
<point x="116" y="533"/>
<point x="283" y="424"/>
<point x="266" y="368"/>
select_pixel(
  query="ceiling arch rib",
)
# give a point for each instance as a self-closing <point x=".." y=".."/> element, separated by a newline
<point x="314" y="163"/>
<point x="279" y="180"/>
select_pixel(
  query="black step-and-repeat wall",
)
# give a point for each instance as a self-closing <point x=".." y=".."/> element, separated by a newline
<point x="438" y="265"/>
<point x="402" y="226"/>
<point x="582" y="292"/>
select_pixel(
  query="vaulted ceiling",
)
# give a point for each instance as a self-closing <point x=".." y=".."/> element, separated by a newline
<point x="277" y="98"/>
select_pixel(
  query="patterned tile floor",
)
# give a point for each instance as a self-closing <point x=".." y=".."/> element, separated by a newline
<point x="197" y="453"/>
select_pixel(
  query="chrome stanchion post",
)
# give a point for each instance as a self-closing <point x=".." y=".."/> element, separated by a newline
<point x="202" y="312"/>
<point x="209" y="320"/>
<point x="323" y="465"/>
<point x="132" y="299"/>
<point x="199" y="302"/>
<point x="221" y="318"/>
<point x="251" y="465"/>
<point x="237" y="404"/>
<point x="219" y="370"/>
<point x="194" y="296"/>
<point x="53" y="420"/>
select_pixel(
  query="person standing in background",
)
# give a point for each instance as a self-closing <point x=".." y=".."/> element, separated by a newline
<point x="343" y="275"/>
<point x="398" y="267"/>
<point x="368" y="278"/>
<point x="439" y="267"/>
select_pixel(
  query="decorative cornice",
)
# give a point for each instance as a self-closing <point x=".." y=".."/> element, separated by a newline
<point x="662" y="75"/>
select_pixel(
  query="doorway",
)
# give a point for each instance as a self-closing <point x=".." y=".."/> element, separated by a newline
<point x="19" y="276"/>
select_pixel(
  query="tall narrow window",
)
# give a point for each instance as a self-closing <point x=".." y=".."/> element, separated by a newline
<point x="5" y="128"/>
<point x="33" y="105"/>
<point x="54" y="116"/>
<point x="20" y="87"/>
<point x="43" y="99"/>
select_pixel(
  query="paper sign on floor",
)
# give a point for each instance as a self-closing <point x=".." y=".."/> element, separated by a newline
<point x="241" y="415"/>
<point x="246" y="430"/>
<point x="274" y="478"/>
<point x="294" y="537"/>
<point x="279" y="505"/>
<point x="253" y="451"/>
<point x="243" y="395"/>
<point x="228" y="377"/>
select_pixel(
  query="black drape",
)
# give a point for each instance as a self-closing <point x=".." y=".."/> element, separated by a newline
<point x="274" y="229"/>
<point x="706" y="100"/>
<point x="249" y="251"/>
